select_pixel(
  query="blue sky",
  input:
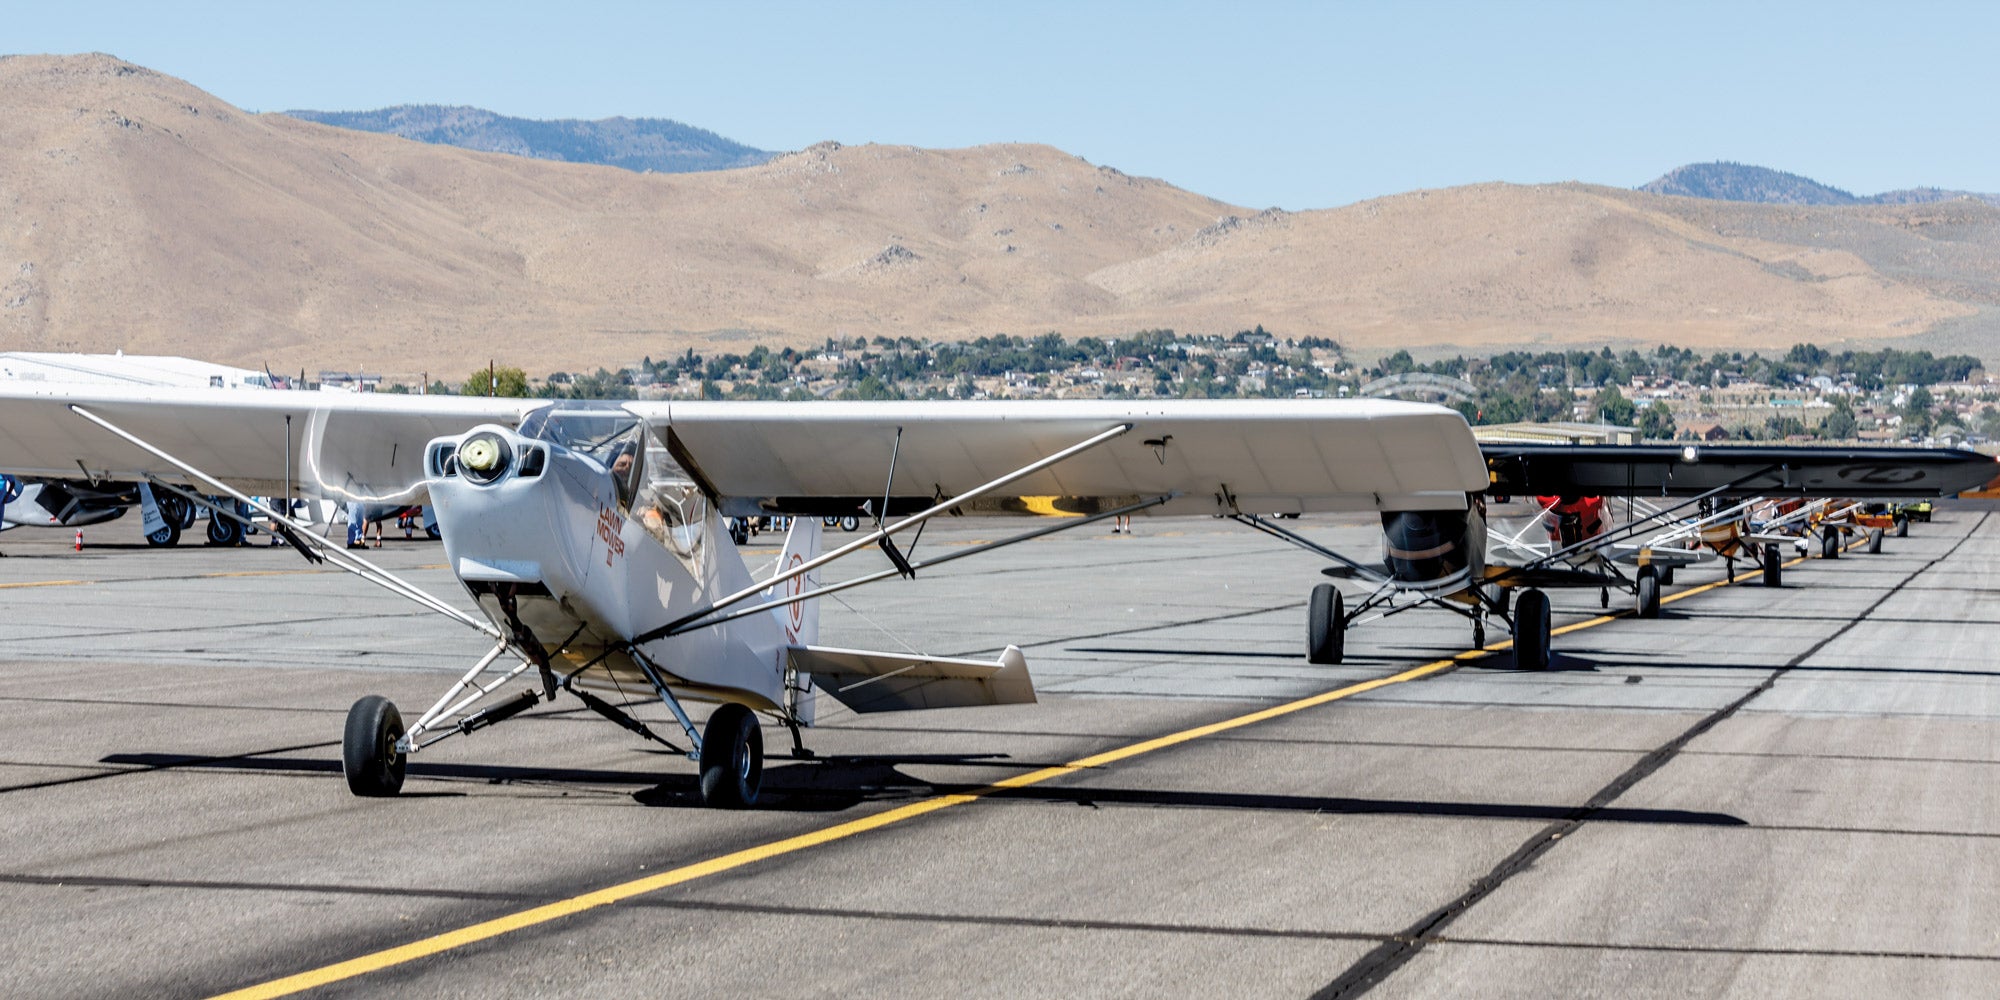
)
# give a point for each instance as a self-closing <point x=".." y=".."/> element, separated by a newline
<point x="1299" y="105"/>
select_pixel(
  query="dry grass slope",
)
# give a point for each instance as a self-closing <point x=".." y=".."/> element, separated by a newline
<point x="146" y="215"/>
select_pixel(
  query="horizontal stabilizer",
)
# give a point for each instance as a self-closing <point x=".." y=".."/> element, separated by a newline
<point x="868" y="681"/>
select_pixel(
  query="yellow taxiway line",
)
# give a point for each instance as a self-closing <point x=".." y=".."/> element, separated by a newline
<point x="487" y="930"/>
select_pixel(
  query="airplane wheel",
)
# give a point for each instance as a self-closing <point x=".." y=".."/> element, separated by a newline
<point x="1326" y="625"/>
<point x="433" y="533"/>
<point x="1648" y="592"/>
<point x="828" y="522"/>
<point x="1667" y="577"/>
<point x="368" y="749"/>
<point x="1902" y="527"/>
<point x="1829" y="544"/>
<point x="732" y="758"/>
<point x="1774" y="569"/>
<point x="850" y="523"/>
<point x="223" y="531"/>
<point x="174" y="511"/>
<point x="169" y="534"/>
<point x="1875" y="541"/>
<point x="1531" y="630"/>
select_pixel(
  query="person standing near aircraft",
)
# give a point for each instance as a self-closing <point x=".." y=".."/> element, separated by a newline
<point x="7" y="487"/>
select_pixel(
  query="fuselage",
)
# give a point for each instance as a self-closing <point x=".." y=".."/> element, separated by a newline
<point x="552" y="544"/>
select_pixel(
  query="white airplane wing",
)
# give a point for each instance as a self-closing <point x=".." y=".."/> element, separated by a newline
<point x="1272" y="456"/>
<point x="338" y="446"/>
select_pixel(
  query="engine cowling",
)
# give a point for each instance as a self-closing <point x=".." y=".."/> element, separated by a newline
<point x="1431" y="547"/>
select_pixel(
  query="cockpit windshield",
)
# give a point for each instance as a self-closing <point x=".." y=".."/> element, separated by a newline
<point x="588" y="427"/>
<point x="601" y="429"/>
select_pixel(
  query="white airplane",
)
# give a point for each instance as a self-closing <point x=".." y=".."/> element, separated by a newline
<point x="1440" y="558"/>
<point x="592" y="539"/>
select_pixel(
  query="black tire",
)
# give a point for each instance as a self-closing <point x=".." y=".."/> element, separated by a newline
<point x="368" y="749"/>
<point x="1902" y="527"/>
<point x="1647" y="592"/>
<point x="732" y="758"/>
<point x="1875" y="541"/>
<point x="739" y="533"/>
<point x="174" y="511"/>
<point x="1774" y="567"/>
<point x="1666" y="576"/>
<point x="1829" y="544"/>
<point x="1326" y="625"/>
<point x="169" y="534"/>
<point x="431" y="532"/>
<point x="1531" y="630"/>
<point x="223" y="530"/>
<point x="850" y="523"/>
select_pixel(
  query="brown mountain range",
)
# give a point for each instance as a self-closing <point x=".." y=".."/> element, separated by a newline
<point x="146" y="215"/>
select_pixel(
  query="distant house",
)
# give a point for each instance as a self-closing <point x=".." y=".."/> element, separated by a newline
<point x="1704" y="431"/>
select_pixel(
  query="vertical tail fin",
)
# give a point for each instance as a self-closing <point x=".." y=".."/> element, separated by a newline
<point x="800" y="621"/>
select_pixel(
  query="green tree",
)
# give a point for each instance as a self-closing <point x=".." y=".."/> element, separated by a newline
<point x="1614" y="408"/>
<point x="1657" y="422"/>
<point x="1839" y="425"/>
<point x="503" y="381"/>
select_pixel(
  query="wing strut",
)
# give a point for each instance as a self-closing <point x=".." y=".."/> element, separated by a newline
<point x="298" y="532"/>
<point x="1632" y="528"/>
<point x="879" y="534"/>
<point x="912" y="567"/>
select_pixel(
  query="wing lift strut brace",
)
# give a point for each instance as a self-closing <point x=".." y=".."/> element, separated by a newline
<point x="301" y="537"/>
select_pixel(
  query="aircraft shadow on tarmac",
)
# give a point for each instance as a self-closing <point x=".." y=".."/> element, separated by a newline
<point x="834" y="784"/>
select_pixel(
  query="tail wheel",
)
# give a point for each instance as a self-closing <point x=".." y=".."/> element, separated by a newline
<point x="850" y="523"/>
<point x="1902" y="527"/>
<point x="1326" y="625"/>
<point x="368" y="752"/>
<point x="224" y="530"/>
<point x="1532" y="626"/>
<point x="732" y="758"/>
<point x="1829" y="544"/>
<point x="169" y="534"/>
<point x="1647" y="590"/>
<point x="1774" y="568"/>
<point x="1875" y="541"/>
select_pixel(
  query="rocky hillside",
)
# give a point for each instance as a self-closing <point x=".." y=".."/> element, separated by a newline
<point x="148" y="216"/>
<point x="644" y="144"/>
<point x="1741" y="182"/>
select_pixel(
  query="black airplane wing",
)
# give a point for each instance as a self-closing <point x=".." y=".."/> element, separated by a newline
<point x="1689" y="470"/>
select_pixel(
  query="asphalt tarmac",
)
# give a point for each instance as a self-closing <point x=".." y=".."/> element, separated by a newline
<point x="1761" y="794"/>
